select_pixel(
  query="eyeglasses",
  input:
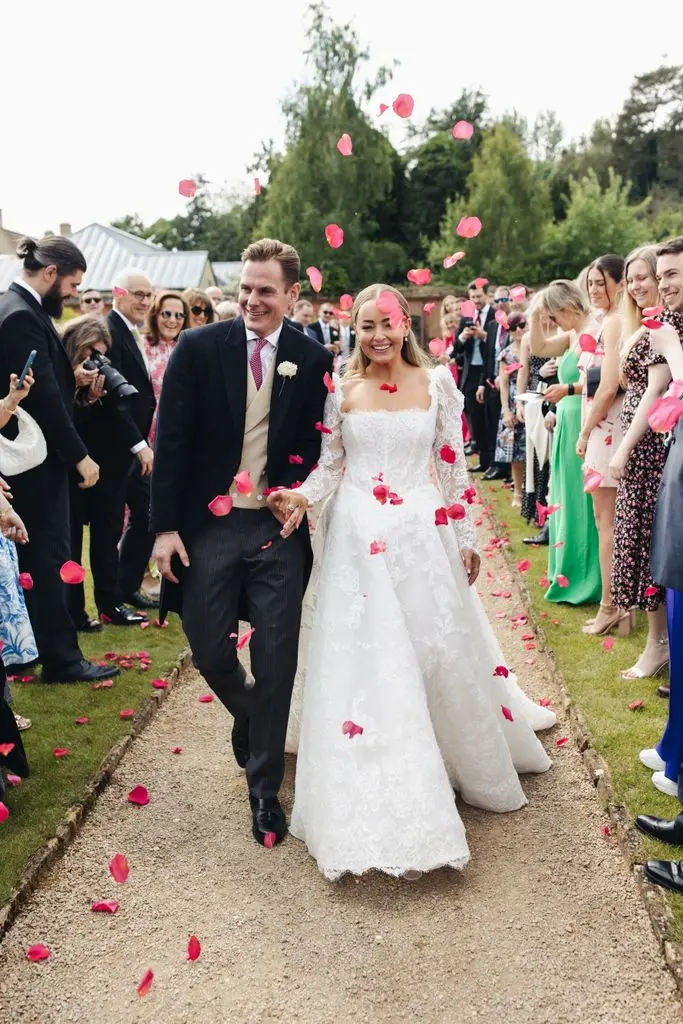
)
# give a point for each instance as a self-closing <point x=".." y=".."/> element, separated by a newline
<point x="141" y="296"/>
<point x="199" y="311"/>
<point x="167" y="314"/>
<point x="501" y="300"/>
<point x="91" y="299"/>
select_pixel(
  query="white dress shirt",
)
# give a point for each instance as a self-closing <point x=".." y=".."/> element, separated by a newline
<point x="327" y="334"/>
<point x="268" y="351"/>
<point x="23" y="284"/>
<point x="136" y="334"/>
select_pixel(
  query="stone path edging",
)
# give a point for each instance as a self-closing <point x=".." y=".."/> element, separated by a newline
<point x="74" y="818"/>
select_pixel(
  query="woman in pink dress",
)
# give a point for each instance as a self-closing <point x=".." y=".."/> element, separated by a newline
<point x="168" y="316"/>
<point x="601" y="429"/>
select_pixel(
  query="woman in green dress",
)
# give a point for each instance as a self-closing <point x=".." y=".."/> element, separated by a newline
<point x="573" y="563"/>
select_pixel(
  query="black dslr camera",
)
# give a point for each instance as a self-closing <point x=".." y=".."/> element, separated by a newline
<point x="115" y="384"/>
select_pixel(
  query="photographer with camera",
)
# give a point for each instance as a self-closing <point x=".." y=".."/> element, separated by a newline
<point x="132" y="300"/>
<point x="101" y="412"/>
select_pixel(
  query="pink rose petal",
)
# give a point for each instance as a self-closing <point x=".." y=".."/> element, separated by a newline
<point x="403" y="104"/>
<point x="315" y="277"/>
<point x="345" y="145"/>
<point x="334" y="235"/>
<point x="469" y="227"/>
<point x="187" y="188"/>
<point x="462" y="130"/>
<point x="221" y="505"/>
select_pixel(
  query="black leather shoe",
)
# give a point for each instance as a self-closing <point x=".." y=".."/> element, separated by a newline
<point x="670" y="832"/>
<point x="240" y="742"/>
<point x="540" y="540"/>
<point x="664" y="690"/>
<point x="140" y="600"/>
<point x="667" y="873"/>
<point x="496" y="474"/>
<point x="86" y="672"/>
<point x="122" y="616"/>
<point x="471" y="449"/>
<point x="90" y="626"/>
<point x="268" y="819"/>
<point x="477" y="469"/>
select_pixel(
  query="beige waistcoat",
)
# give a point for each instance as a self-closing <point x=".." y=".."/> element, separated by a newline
<point x="255" y="445"/>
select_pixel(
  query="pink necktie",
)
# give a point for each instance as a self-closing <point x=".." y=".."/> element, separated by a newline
<point x="255" y="362"/>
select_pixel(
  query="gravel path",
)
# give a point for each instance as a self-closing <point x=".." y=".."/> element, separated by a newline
<point x="544" y="926"/>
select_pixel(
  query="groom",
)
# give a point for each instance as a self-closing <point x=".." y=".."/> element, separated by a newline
<point x="241" y="397"/>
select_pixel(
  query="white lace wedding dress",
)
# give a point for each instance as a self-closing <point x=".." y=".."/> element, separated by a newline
<point x="398" y="644"/>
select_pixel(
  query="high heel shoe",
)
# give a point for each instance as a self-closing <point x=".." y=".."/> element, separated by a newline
<point x="607" y="618"/>
<point x="652" y="666"/>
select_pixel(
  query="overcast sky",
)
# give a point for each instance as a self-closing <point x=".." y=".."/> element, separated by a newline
<point x="106" y="106"/>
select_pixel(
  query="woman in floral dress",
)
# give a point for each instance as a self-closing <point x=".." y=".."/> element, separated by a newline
<point x="511" y="440"/>
<point x="638" y="464"/>
<point x="168" y="316"/>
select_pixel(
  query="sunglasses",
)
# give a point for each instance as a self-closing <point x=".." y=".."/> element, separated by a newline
<point x="501" y="300"/>
<point x="199" y="311"/>
<point x="166" y="314"/>
<point x="141" y="296"/>
<point x="92" y="299"/>
<point x="327" y="312"/>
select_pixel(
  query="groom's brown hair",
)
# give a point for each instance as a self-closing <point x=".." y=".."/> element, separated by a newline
<point x="271" y="249"/>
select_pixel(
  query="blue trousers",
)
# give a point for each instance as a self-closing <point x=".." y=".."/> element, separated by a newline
<point x="670" y="747"/>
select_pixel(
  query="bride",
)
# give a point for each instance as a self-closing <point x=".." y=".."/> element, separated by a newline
<point x="406" y="697"/>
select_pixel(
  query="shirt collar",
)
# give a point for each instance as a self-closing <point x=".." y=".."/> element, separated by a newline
<point x="24" y="284"/>
<point x="272" y="338"/>
<point x="131" y="326"/>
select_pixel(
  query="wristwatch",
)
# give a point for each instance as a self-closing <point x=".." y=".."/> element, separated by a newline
<point x="571" y="390"/>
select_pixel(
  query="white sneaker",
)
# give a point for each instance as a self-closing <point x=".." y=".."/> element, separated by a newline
<point x="664" y="785"/>
<point x="652" y="760"/>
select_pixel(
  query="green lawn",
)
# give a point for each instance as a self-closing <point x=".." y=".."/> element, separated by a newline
<point x="37" y="805"/>
<point x="592" y="677"/>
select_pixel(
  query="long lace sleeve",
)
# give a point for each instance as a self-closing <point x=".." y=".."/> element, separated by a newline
<point x="327" y="475"/>
<point x="452" y="475"/>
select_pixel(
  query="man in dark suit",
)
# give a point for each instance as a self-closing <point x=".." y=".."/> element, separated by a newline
<point x="472" y="345"/>
<point x="497" y="337"/>
<point x="241" y="404"/>
<point x="324" y="330"/>
<point x="132" y="299"/>
<point x="52" y="270"/>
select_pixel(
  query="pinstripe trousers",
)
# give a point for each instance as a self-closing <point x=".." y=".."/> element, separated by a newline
<point x="235" y="560"/>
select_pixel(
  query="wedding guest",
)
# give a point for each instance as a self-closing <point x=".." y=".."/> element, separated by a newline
<point x="519" y="305"/>
<point x="51" y="271"/>
<point x="536" y="370"/>
<point x="573" y="568"/>
<point x="101" y="424"/>
<point x="166" y="318"/>
<point x="511" y="439"/>
<point x="667" y="547"/>
<point x="201" y="307"/>
<point x="637" y="463"/>
<point x="303" y="315"/>
<point x="91" y="302"/>
<point x="128" y="354"/>
<point x="472" y="345"/>
<point x="497" y="337"/>
<point x="227" y="310"/>
<point x="601" y="430"/>
<point x="323" y="329"/>
<point x="215" y="294"/>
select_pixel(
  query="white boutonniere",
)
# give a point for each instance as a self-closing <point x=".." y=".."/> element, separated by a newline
<point x="286" y="370"/>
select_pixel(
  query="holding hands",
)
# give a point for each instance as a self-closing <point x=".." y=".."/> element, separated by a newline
<point x="289" y="508"/>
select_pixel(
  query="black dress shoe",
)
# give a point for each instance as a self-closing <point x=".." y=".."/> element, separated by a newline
<point x="90" y="626"/>
<point x="670" y="832"/>
<point x="477" y="469"/>
<point x="86" y="672"/>
<point x="664" y="690"/>
<point x="240" y="742"/>
<point x="268" y="819"/>
<point x="471" y="449"/>
<point x="667" y="873"/>
<point x="497" y="474"/>
<point x="122" y="616"/>
<point x="541" y="539"/>
<point x="140" y="600"/>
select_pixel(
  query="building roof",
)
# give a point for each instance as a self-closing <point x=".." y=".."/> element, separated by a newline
<point x="109" y="250"/>
<point x="227" y="273"/>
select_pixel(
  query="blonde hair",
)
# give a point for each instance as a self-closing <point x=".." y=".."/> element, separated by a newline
<point x="411" y="352"/>
<point x="581" y="282"/>
<point x="630" y="309"/>
<point x="564" y="294"/>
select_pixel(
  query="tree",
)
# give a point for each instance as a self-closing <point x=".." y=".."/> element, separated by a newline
<point x="437" y="168"/>
<point x="507" y="194"/>
<point x="598" y="220"/>
<point x="647" y="139"/>
<point x="312" y="185"/>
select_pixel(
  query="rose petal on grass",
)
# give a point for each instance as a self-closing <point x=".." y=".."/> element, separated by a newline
<point x="636" y="705"/>
<point x="61" y="752"/>
<point x="127" y="713"/>
<point x="608" y="644"/>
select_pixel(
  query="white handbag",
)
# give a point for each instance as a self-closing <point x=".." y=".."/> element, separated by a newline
<point x="26" y="451"/>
